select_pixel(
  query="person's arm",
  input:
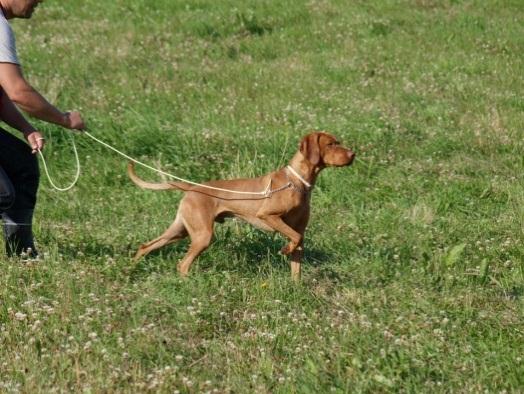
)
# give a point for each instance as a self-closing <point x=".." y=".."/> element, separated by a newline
<point x="29" y="100"/>
<point x="11" y="116"/>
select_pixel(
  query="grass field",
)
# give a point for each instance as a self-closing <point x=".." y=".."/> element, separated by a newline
<point x="413" y="279"/>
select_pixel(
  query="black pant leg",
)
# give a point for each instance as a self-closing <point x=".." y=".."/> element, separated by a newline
<point x="21" y="168"/>
<point x="20" y="171"/>
<point x="7" y="191"/>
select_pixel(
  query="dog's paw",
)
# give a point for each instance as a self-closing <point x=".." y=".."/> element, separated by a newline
<point x="288" y="249"/>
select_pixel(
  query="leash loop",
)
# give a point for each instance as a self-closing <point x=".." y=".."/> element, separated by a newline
<point x="77" y="175"/>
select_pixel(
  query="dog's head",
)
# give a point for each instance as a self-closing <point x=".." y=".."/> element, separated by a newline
<point x="322" y="149"/>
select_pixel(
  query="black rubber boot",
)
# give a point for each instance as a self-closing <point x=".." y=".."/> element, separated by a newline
<point x="18" y="233"/>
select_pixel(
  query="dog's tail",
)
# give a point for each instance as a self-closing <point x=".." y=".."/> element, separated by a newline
<point x="154" y="186"/>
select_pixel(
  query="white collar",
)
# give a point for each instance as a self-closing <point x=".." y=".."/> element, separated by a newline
<point x="295" y="173"/>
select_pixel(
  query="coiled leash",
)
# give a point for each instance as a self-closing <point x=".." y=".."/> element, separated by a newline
<point x="267" y="193"/>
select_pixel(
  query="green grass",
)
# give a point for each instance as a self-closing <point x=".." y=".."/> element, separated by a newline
<point x="413" y="279"/>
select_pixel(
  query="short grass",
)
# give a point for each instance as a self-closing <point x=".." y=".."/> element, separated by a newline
<point x="413" y="279"/>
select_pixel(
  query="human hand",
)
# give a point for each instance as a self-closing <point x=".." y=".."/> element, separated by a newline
<point x="73" y="120"/>
<point x="35" y="140"/>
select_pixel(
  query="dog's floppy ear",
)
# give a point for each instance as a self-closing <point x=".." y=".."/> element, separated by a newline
<point x="310" y="148"/>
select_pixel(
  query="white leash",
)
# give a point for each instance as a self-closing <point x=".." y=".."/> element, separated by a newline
<point x="266" y="193"/>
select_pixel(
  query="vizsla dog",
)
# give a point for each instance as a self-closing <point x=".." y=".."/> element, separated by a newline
<point x="283" y="208"/>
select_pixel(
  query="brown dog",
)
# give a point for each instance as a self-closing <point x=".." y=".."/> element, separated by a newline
<point x="284" y="208"/>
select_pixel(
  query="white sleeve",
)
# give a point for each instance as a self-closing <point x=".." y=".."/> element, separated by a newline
<point x="7" y="43"/>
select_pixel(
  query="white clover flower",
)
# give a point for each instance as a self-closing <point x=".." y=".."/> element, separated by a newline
<point x="20" y="316"/>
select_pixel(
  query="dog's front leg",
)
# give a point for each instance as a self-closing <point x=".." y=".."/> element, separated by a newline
<point x="277" y="224"/>
<point x="296" y="258"/>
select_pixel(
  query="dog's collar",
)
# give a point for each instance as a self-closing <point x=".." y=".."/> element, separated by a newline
<point x="295" y="173"/>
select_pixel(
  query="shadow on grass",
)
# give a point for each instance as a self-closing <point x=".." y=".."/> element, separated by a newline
<point x="246" y="253"/>
<point x="243" y="250"/>
<point x="249" y="254"/>
<point x="258" y="252"/>
<point x="515" y="293"/>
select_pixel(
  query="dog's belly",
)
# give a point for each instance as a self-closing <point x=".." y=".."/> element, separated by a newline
<point x="257" y="223"/>
<point x="251" y="220"/>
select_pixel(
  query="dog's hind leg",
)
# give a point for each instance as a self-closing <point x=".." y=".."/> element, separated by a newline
<point x="198" y="245"/>
<point x="200" y="228"/>
<point x="174" y="232"/>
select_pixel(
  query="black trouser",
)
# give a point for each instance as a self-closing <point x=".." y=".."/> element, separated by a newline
<point x="19" y="178"/>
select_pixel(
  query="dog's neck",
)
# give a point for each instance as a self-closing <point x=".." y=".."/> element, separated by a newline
<point x="303" y="171"/>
